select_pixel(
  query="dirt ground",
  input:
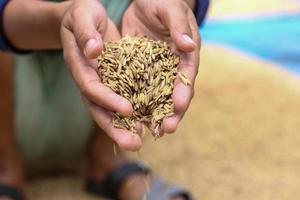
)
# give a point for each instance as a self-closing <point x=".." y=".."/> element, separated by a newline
<point x="239" y="140"/>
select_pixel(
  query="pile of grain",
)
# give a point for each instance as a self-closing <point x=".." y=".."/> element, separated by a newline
<point x="143" y="71"/>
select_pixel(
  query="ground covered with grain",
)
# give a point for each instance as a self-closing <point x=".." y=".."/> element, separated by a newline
<point x="239" y="140"/>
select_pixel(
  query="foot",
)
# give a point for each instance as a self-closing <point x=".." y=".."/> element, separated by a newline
<point x="4" y="198"/>
<point x="102" y="159"/>
<point x="136" y="187"/>
<point x="11" y="172"/>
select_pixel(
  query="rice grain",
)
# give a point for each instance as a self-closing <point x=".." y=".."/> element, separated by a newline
<point x="143" y="71"/>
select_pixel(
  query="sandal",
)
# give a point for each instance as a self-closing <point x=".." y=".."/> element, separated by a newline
<point x="158" y="189"/>
<point x="11" y="192"/>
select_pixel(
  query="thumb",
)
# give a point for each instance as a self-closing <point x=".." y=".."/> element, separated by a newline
<point x="87" y="32"/>
<point x="176" y="19"/>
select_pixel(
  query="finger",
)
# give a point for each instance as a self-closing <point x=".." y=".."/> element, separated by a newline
<point x="125" y="139"/>
<point x="88" y="80"/>
<point x="139" y="128"/>
<point x="100" y="94"/>
<point x="169" y="125"/>
<point x="112" y="33"/>
<point x="88" y="27"/>
<point x="175" y="16"/>
<point x="129" y="23"/>
<point x="182" y="94"/>
<point x="189" y="65"/>
<point x="194" y="30"/>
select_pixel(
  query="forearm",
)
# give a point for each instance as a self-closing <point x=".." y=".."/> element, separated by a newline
<point x="33" y="24"/>
<point x="6" y="100"/>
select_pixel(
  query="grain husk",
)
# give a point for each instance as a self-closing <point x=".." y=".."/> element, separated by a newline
<point x="143" y="71"/>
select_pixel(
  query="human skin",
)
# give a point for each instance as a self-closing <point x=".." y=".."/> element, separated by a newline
<point x="172" y="21"/>
<point x="11" y="164"/>
<point x="58" y="26"/>
<point x="99" y="99"/>
<point x="81" y="27"/>
<point x="53" y="17"/>
<point x="38" y="21"/>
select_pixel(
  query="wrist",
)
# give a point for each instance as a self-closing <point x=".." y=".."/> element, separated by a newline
<point x="58" y="14"/>
<point x="60" y="10"/>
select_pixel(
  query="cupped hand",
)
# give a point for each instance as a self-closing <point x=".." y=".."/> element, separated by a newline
<point x="172" y="21"/>
<point x="84" y="28"/>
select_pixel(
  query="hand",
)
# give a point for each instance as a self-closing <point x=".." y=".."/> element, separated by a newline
<point x="84" y="28"/>
<point x="172" y="21"/>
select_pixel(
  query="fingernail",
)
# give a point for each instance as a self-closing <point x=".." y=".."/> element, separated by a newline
<point x="89" y="45"/>
<point x="126" y="106"/>
<point x="187" y="39"/>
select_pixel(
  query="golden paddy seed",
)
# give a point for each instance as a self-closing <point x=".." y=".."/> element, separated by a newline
<point x="143" y="71"/>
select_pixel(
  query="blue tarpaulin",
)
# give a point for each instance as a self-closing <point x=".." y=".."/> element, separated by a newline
<point x="275" y="38"/>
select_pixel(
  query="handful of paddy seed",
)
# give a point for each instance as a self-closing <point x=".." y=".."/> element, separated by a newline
<point x="143" y="71"/>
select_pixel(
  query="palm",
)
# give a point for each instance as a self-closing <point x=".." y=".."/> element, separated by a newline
<point x="146" y="22"/>
<point x="99" y="99"/>
<point x="144" y="26"/>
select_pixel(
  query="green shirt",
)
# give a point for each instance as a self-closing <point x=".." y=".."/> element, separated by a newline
<point x="50" y="119"/>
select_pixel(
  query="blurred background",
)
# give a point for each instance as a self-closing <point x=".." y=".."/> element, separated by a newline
<point x="241" y="136"/>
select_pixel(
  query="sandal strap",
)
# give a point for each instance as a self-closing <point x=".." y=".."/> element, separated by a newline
<point x="11" y="192"/>
<point x="110" y="187"/>
<point x="159" y="189"/>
